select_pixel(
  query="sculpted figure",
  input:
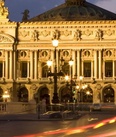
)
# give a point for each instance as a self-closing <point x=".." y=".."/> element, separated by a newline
<point x="98" y="34"/>
<point x="35" y="35"/>
<point x="3" y="9"/>
<point x="77" y="35"/>
<point x="25" y="15"/>
<point x="56" y="34"/>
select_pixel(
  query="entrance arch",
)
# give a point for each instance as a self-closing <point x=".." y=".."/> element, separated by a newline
<point x="88" y="95"/>
<point x="43" y="93"/>
<point x="65" y="94"/>
<point x="23" y="94"/>
<point x="108" y="94"/>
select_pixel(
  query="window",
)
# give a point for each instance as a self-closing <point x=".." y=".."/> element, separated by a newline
<point x="1" y="69"/>
<point x="44" y="69"/>
<point x="23" y="69"/>
<point x="108" y="69"/>
<point x="65" y="68"/>
<point x="87" y="69"/>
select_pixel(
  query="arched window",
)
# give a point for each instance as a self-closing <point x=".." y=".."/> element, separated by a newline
<point x="108" y="95"/>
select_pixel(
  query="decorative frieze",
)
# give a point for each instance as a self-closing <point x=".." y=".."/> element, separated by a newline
<point x="91" y="34"/>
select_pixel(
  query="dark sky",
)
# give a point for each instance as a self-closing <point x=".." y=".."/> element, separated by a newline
<point x="36" y="7"/>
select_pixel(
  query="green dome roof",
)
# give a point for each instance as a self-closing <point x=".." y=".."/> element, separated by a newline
<point x="75" y="10"/>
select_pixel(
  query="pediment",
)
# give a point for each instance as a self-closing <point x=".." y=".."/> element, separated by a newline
<point x="5" y="38"/>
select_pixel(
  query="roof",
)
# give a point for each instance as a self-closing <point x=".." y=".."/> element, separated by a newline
<point x="75" y="10"/>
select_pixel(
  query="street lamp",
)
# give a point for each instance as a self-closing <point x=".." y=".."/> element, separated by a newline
<point x="54" y="74"/>
<point x="6" y="96"/>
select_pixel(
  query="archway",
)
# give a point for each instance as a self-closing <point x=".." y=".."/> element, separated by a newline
<point x="23" y="95"/>
<point x="43" y="93"/>
<point x="88" y="95"/>
<point x="1" y="94"/>
<point x="108" y="94"/>
<point x="65" y="95"/>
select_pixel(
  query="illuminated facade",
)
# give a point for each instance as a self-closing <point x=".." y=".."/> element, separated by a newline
<point x="87" y="34"/>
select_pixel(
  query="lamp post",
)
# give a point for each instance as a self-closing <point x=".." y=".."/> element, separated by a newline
<point x="54" y="74"/>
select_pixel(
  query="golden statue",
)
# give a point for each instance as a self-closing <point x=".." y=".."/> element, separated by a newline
<point x="3" y="10"/>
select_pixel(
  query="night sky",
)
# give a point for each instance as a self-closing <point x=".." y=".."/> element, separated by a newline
<point x="36" y="7"/>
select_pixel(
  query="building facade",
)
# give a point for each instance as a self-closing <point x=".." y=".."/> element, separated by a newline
<point x="88" y="37"/>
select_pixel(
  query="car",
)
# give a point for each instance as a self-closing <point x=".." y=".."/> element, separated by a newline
<point x="57" y="111"/>
<point x="51" y="114"/>
<point x="96" y="107"/>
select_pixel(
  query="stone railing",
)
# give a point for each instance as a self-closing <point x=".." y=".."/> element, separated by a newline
<point x="17" y="107"/>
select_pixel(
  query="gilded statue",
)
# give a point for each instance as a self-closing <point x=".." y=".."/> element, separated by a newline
<point x="3" y="9"/>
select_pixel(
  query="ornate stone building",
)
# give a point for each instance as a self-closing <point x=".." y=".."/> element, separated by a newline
<point x="86" y="34"/>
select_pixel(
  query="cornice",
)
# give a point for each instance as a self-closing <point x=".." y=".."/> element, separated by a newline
<point x="68" y="22"/>
<point x="8" y="23"/>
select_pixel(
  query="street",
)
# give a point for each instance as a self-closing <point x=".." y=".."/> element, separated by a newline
<point x="89" y="125"/>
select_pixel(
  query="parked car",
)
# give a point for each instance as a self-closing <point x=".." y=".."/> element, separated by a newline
<point x="96" y="107"/>
<point x="57" y="111"/>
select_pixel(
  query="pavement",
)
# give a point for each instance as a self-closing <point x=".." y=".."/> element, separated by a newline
<point x="34" y="116"/>
<point x="26" y="117"/>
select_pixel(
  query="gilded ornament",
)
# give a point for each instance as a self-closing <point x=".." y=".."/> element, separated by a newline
<point x="45" y="33"/>
<point x="99" y="34"/>
<point x="67" y="33"/>
<point x="4" y="39"/>
<point x="77" y="35"/>
<point x="3" y="10"/>
<point x="24" y="33"/>
<point x="87" y="32"/>
<point x="109" y="32"/>
<point x="35" y="35"/>
<point x="55" y="34"/>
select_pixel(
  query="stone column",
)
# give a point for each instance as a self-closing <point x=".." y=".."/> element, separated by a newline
<point x="31" y="65"/>
<point x="6" y="67"/>
<point x="103" y="69"/>
<point x="95" y="64"/>
<point x="3" y="69"/>
<point x="11" y="65"/>
<point x="82" y="68"/>
<point x="78" y="63"/>
<point x="35" y="65"/>
<point x="113" y="69"/>
<point x="14" y="65"/>
<point x="100" y="61"/>
<point x="74" y="64"/>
